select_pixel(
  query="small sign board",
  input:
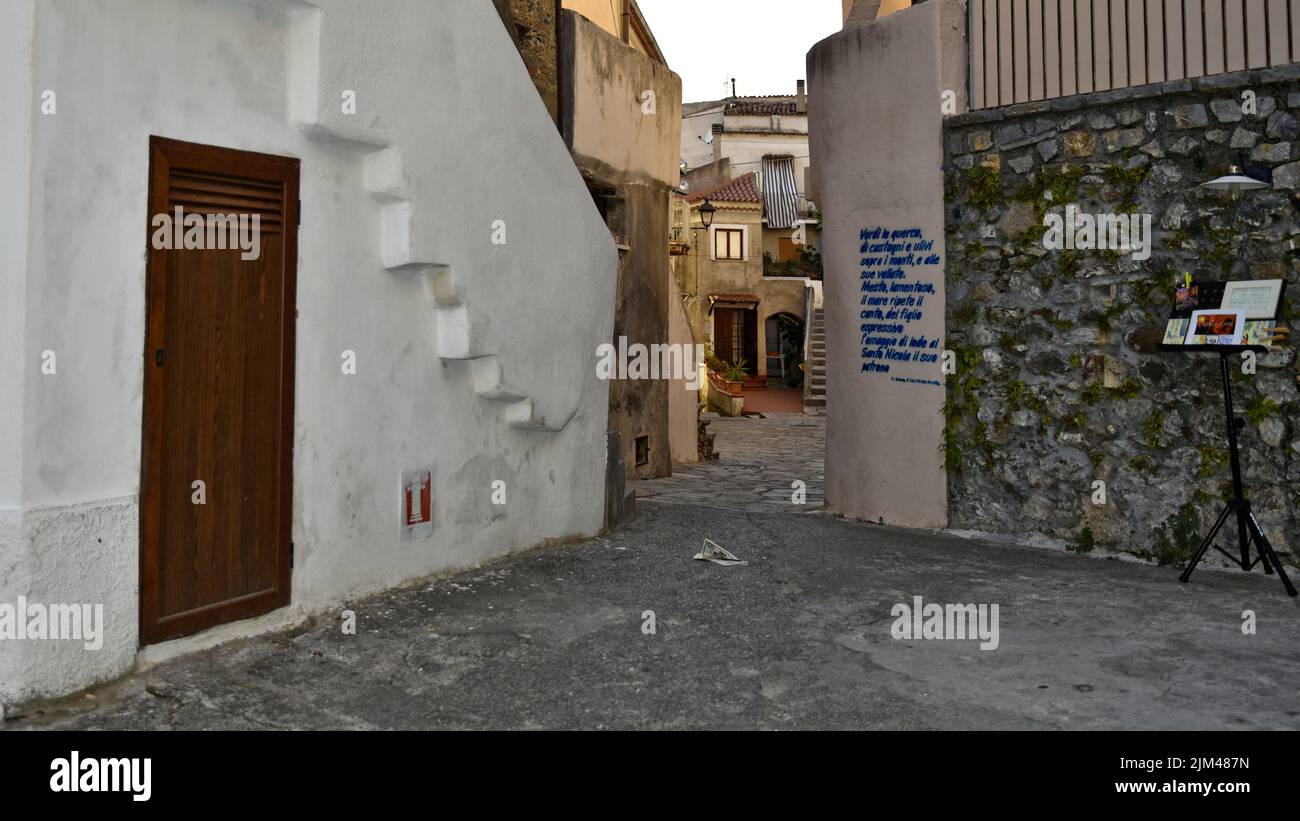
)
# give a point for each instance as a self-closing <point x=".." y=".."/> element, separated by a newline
<point x="1226" y="316"/>
<point x="417" y="504"/>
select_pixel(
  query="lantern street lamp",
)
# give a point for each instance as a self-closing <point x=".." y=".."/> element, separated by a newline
<point x="707" y="211"/>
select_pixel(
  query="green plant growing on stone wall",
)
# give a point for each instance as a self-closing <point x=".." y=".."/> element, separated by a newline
<point x="1096" y="457"/>
<point x="1178" y="537"/>
<point x="1036" y="403"/>
<point x="1226" y="491"/>
<point x="1086" y="544"/>
<point x="966" y="313"/>
<point x="1213" y="462"/>
<point x="980" y="439"/>
<point x="1078" y="421"/>
<point x="1128" y="389"/>
<point x="1105" y="316"/>
<point x="1061" y="182"/>
<point x="1259" y="407"/>
<point x="1153" y="428"/>
<point x="1126" y="182"/>
<point x="963" y="403"/>
<point x="983" y="187"/>
<point x="953" y="459"/>
<point x="1046" y="281"/>
<point x="1113" y="256"/>
<point x="1067" y="264"/>
<point x="1016" y="393"/>
<point x="1143" y="464"/>
<point x="1176" y="240"/>
<point x="1092" y="394"/>
<point x="1145" y="289"/>
<point x="1221" y="251"/>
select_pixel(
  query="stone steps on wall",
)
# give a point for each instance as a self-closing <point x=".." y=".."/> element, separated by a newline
<point x="386" y="182"/>
<point x="816" y="396"/>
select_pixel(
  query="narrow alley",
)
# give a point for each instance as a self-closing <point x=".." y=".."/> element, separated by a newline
<point x="775" y="463"/>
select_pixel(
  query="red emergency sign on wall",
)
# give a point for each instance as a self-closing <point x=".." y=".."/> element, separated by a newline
<point x="417" y="502"/>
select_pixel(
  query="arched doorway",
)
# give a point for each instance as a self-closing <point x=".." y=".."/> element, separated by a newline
<point x="783" y="336"/>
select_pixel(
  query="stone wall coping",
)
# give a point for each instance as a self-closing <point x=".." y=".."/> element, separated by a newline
<point x="1214" y="82"/>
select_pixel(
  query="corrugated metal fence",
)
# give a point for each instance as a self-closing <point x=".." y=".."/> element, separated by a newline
<point x="1023" y="50"/>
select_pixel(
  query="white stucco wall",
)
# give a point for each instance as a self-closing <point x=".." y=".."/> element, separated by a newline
<point x="16" y="95"/>
<point x="449" y="136"/>
<point x="746" y="152"/>
<point x="696" y="127"/>
<point x="876" y="152"/>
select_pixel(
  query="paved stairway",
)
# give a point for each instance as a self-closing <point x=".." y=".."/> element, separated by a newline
<point x="816" y="398"/>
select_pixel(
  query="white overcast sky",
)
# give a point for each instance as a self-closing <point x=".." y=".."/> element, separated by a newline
<point x="762" y="43"/>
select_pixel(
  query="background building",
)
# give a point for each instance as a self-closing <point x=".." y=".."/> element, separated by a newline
<point x="756" y="269"/>
<point x="618" y="106"/>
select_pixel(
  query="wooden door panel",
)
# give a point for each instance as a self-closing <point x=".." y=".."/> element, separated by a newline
<point x="219" y="407"/>
<point x="751" y="340"/>
<point x="722" y="322"/>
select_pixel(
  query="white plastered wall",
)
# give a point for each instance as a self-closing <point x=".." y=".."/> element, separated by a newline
<point x="473" y="359"/>
<point x="876" y="148"/>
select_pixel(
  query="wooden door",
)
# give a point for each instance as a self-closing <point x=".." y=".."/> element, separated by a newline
<point x="786" y="250"/>
<point x="216" y="485"/>
<point x="749" y="339"/>
<point x="724" y="330"/>
<point x="735" y="336"/>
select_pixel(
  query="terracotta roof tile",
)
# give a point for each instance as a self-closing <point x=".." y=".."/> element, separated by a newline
<point x="786" y="107"/>
<point x="734" y="296"/>
<point x="741" y="189"/>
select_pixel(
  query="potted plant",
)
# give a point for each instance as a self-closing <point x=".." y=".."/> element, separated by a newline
<point x="735" y="375"/>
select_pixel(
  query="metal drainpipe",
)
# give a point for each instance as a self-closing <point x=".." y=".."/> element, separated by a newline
<point x="559" y="69"/>
<point x="807" y="342"/>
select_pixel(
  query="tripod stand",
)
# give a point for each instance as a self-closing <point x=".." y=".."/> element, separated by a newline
<point x="1248" y="528"/>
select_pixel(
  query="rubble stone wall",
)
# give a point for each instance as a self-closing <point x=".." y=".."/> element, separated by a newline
<point x="1059" y="382"/>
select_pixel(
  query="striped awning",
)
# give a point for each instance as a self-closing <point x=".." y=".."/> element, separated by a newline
<point x="780" y="194"/>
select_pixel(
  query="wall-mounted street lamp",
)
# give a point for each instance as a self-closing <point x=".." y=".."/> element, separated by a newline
<point x="707" y="210"/>
<point x="1234" y="182"/>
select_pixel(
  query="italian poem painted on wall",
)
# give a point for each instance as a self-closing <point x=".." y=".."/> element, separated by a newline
<point x="897" y="270"/>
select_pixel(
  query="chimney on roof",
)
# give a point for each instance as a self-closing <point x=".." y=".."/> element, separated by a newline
<point x="717" y="141"/>
<point x="801" y="97"/>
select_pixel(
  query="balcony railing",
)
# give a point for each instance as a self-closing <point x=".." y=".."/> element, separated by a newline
<point x="808" y="264"/>
<point x="1022" y="50"/>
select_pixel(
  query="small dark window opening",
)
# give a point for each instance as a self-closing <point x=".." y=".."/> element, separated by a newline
<point x="612" y="208"/>
<point x="642" y="450"/>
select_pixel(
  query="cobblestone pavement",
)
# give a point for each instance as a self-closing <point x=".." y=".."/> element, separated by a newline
<point x="800" y="638"/>
<point x="759" y="460"/>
